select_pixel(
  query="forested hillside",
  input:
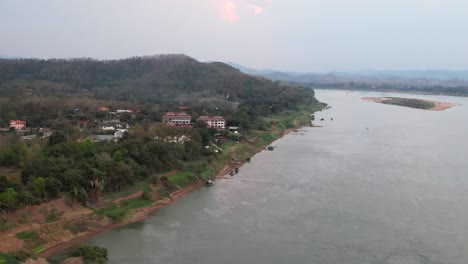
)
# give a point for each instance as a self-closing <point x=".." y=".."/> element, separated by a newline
<point x="63" y="97"/>
<point x="39" y="90"/>
<point x="158" y="78"/>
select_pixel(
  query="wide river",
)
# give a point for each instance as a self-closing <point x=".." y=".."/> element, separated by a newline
<point x="378" y="184"/>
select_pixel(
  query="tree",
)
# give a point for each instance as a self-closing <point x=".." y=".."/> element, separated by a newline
<point x="4" y="184"/>
<point x="52" y="187"/>
<point x="96" y="189"/>
<point x="8" y="199"/>
<point x="86" y="148"/>
<point x="37" y="185"/>
<point x="95" y="255"/>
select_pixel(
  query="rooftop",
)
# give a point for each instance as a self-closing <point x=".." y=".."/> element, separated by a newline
<point x="177" y="114"/>
<point x="206" y="118"/>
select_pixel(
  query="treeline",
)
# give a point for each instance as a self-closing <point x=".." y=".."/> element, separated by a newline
<point x="430" y="89"/>
<point x="84" y="169"/>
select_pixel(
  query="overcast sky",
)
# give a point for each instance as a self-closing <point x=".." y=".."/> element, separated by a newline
<point x="299" y="35"/>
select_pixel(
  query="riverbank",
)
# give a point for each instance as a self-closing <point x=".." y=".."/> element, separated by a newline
<point x="75" y="223"/>
<point x="418" y="103"/>
<point x="145" y="212"/>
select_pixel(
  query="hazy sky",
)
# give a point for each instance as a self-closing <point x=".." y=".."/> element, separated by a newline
<point x="300" y="35"/>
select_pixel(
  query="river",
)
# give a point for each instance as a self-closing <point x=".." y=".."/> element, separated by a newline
<point x="378" y="184"/>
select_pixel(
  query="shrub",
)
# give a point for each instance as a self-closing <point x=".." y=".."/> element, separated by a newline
<point x="114" y="213"/>
<point x="155" y="180"/>
<point x="27" y="235"/>
<point x="53" y="215"/>
<point x="6" y="224"/>
<point x="135" y="203"/>
<point x="8" y="259"/>
<point x="146" y="196"/>
<point x="91" y="255"/>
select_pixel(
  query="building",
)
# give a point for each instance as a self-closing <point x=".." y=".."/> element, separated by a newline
<point x="18" y="124"/>
<point x="121" y="111"/>
<point x="120" y="133"/>
<point x="233" y="129"/>
<point x="177" y="118"/>
<point x="113" y="125"/>
<point x="213" y="121"/>
<point x="103" y="109"/>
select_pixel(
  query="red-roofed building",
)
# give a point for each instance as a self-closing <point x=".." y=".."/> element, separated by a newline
<point x="213" y="121"/>
<point x="103" y="109"/>
<point x="18" y="124"/>
<point x="177" y="118"/>
<point x="83" y="123"/>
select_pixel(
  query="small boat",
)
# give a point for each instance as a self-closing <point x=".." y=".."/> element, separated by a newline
<point x="210" y="183"/>
<point x="270" y="148"/>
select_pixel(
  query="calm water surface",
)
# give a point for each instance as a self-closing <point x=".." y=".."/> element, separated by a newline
<point x="378" y="184"/>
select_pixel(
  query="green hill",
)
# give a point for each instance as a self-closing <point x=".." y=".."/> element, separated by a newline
<point x="142" y="79"/>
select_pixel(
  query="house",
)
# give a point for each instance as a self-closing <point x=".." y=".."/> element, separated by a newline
<point x="113" y="125"/>
<point x="18" y="124"/>
<point x="83" y="123"/>
<point x="233" y="129"/>
<point x="213" y="121"/>
<point x="120" y="133"/>
<point x="103" y="109"/>
<point x="121" y="111"/>
<point x="219" y="136"/>
<point x="177" y="118"/>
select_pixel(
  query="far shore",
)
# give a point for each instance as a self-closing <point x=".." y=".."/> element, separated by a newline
<point x="438" y="106"/>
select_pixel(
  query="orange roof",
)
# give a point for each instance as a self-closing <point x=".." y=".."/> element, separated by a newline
<point x="18" y="121"/>
<point x="103" y="108"/>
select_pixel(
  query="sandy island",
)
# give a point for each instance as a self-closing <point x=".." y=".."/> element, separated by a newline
<point x="438" y="106"/>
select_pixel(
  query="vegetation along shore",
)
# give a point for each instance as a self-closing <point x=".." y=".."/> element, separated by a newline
<point x="411" y="102"/>
<point x="90" y="145"/>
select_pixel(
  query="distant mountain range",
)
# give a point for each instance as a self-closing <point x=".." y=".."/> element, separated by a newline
<point x="9" y="57"/>
<point x="427" y="81"/>
<point x="363" y="74"/>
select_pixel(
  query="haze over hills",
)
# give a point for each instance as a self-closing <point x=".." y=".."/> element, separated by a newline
<point x="431" y="81"/>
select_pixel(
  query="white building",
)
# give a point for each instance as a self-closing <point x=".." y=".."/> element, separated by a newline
<point x="177" y="118"/>
<point x="213" y="121"/>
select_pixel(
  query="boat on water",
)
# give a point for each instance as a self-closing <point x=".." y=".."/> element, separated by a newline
<point x="270" y="148"/>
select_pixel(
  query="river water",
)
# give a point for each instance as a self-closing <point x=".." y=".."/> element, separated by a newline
<point x="378" y="184"/>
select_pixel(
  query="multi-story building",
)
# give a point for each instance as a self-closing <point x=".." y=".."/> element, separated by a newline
<point x="177" y="118"/>
<point x="213" y="121"/>
<point x="18" y="124"/>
